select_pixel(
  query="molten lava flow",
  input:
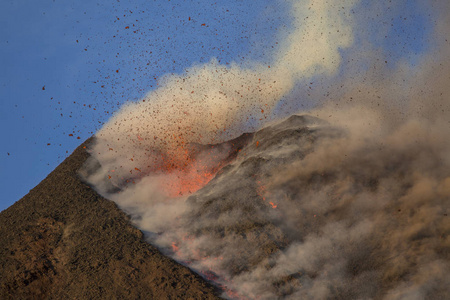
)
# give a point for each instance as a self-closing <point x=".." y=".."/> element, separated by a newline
<point x="184" y="174"/>
<point x="184" y="169"/>
<point x="179" y="167"/>
<point x="188" y="180"/>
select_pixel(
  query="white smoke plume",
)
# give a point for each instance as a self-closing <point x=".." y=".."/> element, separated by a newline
<point x="211" y="103"/>
<point x="352" y="204"/>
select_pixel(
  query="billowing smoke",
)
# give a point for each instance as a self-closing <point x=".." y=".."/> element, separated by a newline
<point x="348" y="202"/>
<point x="211" y="103"/>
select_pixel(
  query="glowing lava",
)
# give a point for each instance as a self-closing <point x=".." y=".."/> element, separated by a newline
<point x="185" y="173"/>
<point x="262" y="192"/>
<point x="185" y="181"/>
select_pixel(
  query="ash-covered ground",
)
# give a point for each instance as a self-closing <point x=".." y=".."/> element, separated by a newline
<point x="311" y="210"/>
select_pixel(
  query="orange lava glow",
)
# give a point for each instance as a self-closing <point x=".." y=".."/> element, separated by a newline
<point x="185" y="182"/>
<point x="184" y="178"/>
<point x="262" y="192"/>
<point x="184" y="174"/>
<point x="232" y="294"/>
<point x="176" y="164"/>
<point x="174" y="247"/>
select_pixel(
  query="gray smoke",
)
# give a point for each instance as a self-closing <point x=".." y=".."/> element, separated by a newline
<point x="349" y="201"/>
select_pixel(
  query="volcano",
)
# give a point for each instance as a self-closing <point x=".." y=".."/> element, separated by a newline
<point x="299" y="209"/>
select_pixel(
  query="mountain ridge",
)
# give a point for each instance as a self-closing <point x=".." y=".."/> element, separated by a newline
<point x="63" y="240"/>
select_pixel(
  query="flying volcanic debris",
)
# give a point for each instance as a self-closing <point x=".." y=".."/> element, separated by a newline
<point x="211" y="103"/>
<point x="350" y="201"/>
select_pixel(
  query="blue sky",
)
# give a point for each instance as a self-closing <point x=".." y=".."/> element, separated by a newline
<point x="68" y="65"/>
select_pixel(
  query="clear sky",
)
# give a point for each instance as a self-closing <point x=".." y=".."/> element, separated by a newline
<point x="68" y="65"/>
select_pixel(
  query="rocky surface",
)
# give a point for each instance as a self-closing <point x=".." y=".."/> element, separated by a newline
<point x="64" y="241"/>
<point x="309" y="210"/>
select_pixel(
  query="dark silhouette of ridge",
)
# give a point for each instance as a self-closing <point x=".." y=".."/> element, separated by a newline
<point x="63" y="240"/>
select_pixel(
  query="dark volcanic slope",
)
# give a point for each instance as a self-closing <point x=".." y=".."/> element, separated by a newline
<point x="63" y="240"/>
<point x="308" y="210"/>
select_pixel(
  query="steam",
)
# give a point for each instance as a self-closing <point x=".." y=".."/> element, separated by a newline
<point x="211" y="103"/>
<point x="348" y="202"/>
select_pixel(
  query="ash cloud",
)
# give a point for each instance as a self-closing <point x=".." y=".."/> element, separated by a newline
<point x="348" y="202"/>
<point x="212" y="103"/>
